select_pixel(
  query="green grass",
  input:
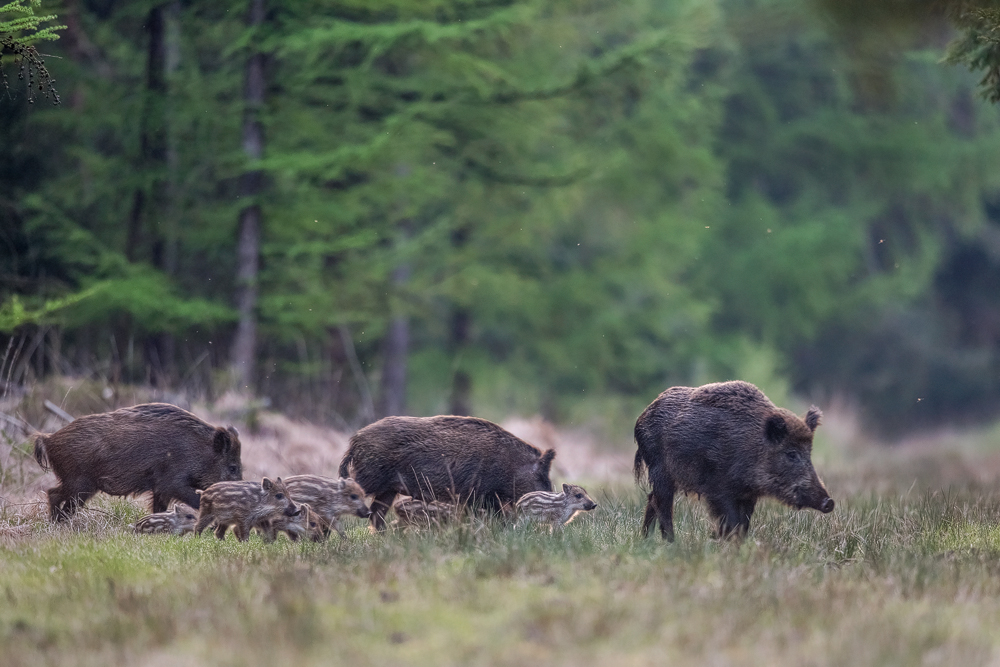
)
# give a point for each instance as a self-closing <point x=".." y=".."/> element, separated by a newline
<point x="908" y="577"/>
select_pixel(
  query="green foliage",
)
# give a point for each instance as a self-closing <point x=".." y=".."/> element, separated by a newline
<point x="979" y="45"/>
<point x="615" y="196"/>
<point x="20" y="30"/>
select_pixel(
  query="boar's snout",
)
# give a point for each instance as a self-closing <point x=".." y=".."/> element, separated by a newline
<point x="293" y="510"/>
<point x="590" y="505"/>
<point x="826" y="506"/>
<point x="364" y="512"/>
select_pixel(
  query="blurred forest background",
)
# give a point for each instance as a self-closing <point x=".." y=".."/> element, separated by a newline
<point x="355" y="208"/>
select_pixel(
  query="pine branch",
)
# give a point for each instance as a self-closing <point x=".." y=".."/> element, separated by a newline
<point x="18" y="37"/>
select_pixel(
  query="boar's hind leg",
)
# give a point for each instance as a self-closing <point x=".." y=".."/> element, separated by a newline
<point x="650" y="516"/>
<point x="64" y="500"/>
<point x="204" y="519"/>
<point x="381" y="505"/>
<point x="660" y="503"/>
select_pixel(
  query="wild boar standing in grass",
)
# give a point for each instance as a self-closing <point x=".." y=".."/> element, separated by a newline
<point x="154" y="447"/>
<point x="555" y="509"/>
<point x="244" y="506"/>
<point x="306" y="523"/>
<point x="329" y="498"/>
<point x="730" y="445"/>
<point x="179" y="521"/>
<point x="455" y="459"/>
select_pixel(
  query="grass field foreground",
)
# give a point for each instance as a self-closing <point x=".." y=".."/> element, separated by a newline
<point x="910" y="576"/>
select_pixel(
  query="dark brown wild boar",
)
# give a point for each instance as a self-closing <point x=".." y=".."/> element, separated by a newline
<point x="456" y="459"/>
<point x="154" y="447"/>
<point x="730" y="445"/>
<point x="244" y="506"/>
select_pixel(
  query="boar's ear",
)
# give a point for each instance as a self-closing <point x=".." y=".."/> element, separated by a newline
<point x="565" y="488"/>
<point x="266" y="484"/>
<point x="545" y="463"/>
<point x="341" y="483"/>
<point x="775" y="428"/>
<point x="222" y="441"/>
<point x="233" y="432"/>
<point x="813" y="418"/>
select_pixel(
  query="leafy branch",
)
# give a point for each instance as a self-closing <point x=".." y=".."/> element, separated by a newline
<point x="19" y="33"/>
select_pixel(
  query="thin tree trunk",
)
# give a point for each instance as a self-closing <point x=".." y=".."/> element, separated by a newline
<point x="146" y="238"/>
<point x="245" y="342"/>
<point x="461" y="321"/>
<point x="461" y="382"/>
<point x="395" y="351"/>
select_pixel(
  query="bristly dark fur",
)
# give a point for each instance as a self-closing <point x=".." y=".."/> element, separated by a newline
<point x="455" y="459"/>
<point x="155" y="447"/>
<point x="725" y="442"/>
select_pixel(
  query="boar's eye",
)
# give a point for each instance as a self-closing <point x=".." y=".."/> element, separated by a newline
<point x="279" y="496"/>
<point x="792" y="454"/>
<point x="354" y="496"/>
<point x="579" y="495"/>
<point x="234" y="469"/>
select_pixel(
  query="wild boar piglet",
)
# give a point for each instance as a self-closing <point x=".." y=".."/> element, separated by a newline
<point x="306" y="523"/>
<point x="178" y="521"/>
<point x="244" y="506"/>
<point x="556" y="509"/>
<point x="411" y="512"/>
<point x="329" y="498"/>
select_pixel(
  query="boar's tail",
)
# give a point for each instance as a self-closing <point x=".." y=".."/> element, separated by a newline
<point x="345" y="464"/>
<point x="41" y="455"/>
<point x="639" y="468"/>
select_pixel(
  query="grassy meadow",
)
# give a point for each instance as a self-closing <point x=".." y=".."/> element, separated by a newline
<point x="906" y="570"/>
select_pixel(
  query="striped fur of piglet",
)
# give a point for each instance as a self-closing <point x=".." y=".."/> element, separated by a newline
<point x="555" y="509"/>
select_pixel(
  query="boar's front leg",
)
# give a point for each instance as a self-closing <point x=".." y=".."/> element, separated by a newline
<point x="189" y="496"/>
<point x="733" y="517"/>
<point x="160" y="502"/>
<point x="381" y="505"/>
<point x="242" y="530"/>
<point x="745" y="510"/>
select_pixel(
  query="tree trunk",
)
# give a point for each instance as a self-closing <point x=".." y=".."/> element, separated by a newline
<point x="395" y="351"/>
<point x="461" y="382"/>
<point x="146" y="236"/>
<point x="461" y="320"/>
<point x="245" y="342"/>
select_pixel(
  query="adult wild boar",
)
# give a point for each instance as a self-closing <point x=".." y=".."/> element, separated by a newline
<point x="730" y="445"/>
<point x="154" y="447"/>
<point x="457" y="459"/>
